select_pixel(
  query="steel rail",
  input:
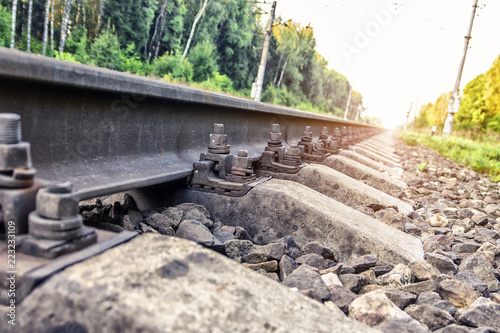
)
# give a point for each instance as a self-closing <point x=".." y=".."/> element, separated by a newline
<point x="107" y="131"/>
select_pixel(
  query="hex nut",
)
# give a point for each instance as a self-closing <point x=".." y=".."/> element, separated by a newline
<point x="13" y="156"/>
<point x="37" y="222"/>
<point x="56" y="205"/>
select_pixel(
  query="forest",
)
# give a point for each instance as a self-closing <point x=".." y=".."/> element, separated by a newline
<point x="479" y="113"/>
<point x="209" y="44"/>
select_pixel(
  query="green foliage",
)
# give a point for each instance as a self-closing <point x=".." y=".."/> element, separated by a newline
<point x="131" y="18"/>
<point x="492" y="88"/>
<point x="130" y="61"/>
<point x="281" y="96"/>
<point x="421" y="166"/>
<point x="224" y="56"/>
<point x="5" y="25"/>
<point x="174" y="27"/>
<point x="483" y="158"/>
<point x="203" y="59"/>
<point x="66" y="56"/>
<point x="172" y="66"/>
<point x="78" y="44"/>
<point x="408" y="138"/>
<point x="105" y="51"/>
<point x="433" y="114"/>
<point x="234" y="40"/>
<point x="219" y="83"/>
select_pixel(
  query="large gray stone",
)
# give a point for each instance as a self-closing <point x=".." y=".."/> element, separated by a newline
<point x="341" y="297"/>
<point x="400" y="298"/>
<point x="431" y="316"/>
<point x="271" y="251"/>
<point x="304" y="278"/>
<point x="165" y="284"/>
<point x="482" y="268"/>
<point x="470" y="278"/>
<point x="197" y="232"/>
<point x="398" y="276"/>
<point x="277" y="208"/>
<point x="424" y="271"/>
<point x="442" y="263"/>
<point x="377" y="305"/>
<point x="458" y="293"/>
<point x="482" y="312"/>
<point x="361" y="263"/>
<point x="365" y="174"/>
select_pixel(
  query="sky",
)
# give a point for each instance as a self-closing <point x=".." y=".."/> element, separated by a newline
<point x="399" y="54"/>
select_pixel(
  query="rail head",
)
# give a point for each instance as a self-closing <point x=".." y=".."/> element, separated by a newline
<point x="36" y="68"/>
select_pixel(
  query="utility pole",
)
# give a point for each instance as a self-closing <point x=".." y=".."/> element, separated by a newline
<point x="454" y="104"/>
<point x="348" y="105"/>
<point x="259" y="80"/>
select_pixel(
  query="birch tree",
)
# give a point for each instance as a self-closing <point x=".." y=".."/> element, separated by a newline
<point x="52" y="29"/>
<point x="195" y="22"/>
<point x="13" y="31"/>
<point x="30" y="11"/>
<point x="46" y="26"/>
<point x="160" y="23"/>
<point x="101" y="13"/>
<point x="64" y="25"/>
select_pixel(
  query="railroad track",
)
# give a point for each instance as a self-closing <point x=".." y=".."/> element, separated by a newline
<point x="273" y="171"/>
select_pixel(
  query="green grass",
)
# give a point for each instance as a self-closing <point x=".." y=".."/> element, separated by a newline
<point x="481" y="157"/>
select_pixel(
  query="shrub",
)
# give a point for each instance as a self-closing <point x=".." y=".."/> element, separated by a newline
<point x="204" y="60"/>
<point x="105" y="51"/>
<point x="171" y="65"/>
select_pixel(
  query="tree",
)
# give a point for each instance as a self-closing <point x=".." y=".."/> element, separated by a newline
<point x="105" y="51"/>
<point x="131" y="20"/>
<point x="492" y="87"/>
<point x="64" y="24"/>
<point x="5" y="27"/>
<point x="203" y="59"/>
<point x="46" y="25"/>
<point x="28" y="39"/>
<point x="13" y="30"/>
<point x="203" y="5"/>
<point x="158" y="31"/>
<point x="233" y="43"/>
<point x="473" y="111"/>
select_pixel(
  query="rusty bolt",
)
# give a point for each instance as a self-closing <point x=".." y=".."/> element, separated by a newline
<point x="14" y="154"/>
<point x="57" y="202"/>
<point x="275" y="134"/>
<point x="307" y="132"/>
<point x="293" y="150"/>
<point x="10" y="128"/>
<point x="242" y="153"/>
<point x="218" y="141"/>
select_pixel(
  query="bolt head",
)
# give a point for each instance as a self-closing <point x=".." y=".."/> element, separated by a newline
<point x="218" y="128"/>
<point x="56" y="206"/>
